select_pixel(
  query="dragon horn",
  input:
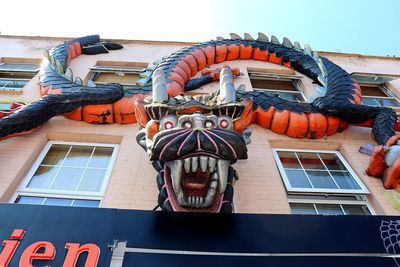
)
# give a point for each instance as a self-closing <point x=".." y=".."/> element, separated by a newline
<point x="160" y="94"/>
<point x="227" y="92"/>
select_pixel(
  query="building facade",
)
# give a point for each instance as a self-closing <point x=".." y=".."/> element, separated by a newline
<point x="73" y="163"/>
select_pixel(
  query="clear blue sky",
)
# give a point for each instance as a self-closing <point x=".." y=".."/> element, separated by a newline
<point x="360" y="26"/>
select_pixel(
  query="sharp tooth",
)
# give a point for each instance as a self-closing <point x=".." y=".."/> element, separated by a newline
<point x="186" y="164"/>
<point x="214" y="184"/>
<point x="203" y="164"/>
<point x="222" y="169"/>
<point x="181" y="199"/>
<point x="201" y="201"/>
<point x="176" y="174"/>
<point x="209" y="198"/>
<point x="197" y="204"/>
<point x="195" y="163"/>
<point x="211" y="164"/>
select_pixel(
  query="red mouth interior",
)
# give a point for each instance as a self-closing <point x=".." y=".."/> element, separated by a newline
<point x="193" y="184"/>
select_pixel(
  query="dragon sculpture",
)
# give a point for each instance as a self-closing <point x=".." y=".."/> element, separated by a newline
<point x="193" y="141"/>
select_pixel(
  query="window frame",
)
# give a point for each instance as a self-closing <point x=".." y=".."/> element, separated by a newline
<point x="385" y="90"/>
<point x="313" y="201"/>
<point x="99" y="69"/>
<point x="12" y="71"/>
<point x="294" y="79"/>
<point x="362" y="191"/>
<point x="23" y="190"/>
<point x="378" y="80"/>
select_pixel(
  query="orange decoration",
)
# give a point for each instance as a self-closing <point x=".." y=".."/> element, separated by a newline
<point x="178" y="70"/>
<point x="260" y="55"/>
<point x="98" y="114"/>
<point x="78" y="49"/>
<point x="173" y="76"/>
<point x="274" y="59"/>
<point x="200" y="58"/>
<point x="298" y="125"/>
<point x="317" y="125"/>
<point x="140" y="112"/>
<point x="209" y="51"/>
<point x="124" y="110"/>
<point x="74" y="115"/>
<point x="233" y="52"/>
<point x="185" y="67"/>
<point x="174" y="89"/>
<point x="391" y="176"/>
<point x="333" y="125"/>
<point x="280" y="121"/>
<point x="264" y="118"/>
<point x="191" y="61"/>
<point x="220" y="51"/>
<point x="246" y="117"/>
<point x="152" y="128"/>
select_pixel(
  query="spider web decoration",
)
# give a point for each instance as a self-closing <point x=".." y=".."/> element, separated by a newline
<point x="390" y="234"/>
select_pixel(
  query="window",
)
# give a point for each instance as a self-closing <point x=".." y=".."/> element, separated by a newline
<point x="284" y="86"/>
<point x="128" y="74"/>
<point x="373" y="89"/>
<point x="329" y="205"/>
<point x="68" y="174"/>
<point x="14" y="76"/>
<point x="321" y="182"/>
<point x="378" y="95"/>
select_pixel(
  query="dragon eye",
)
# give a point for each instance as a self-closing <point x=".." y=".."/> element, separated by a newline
<point x="168" y="125"/>
<point x="168" y="122"/>
<point x="225" y="122"/>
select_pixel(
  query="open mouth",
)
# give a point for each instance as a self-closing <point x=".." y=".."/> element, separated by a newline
<point x="196" y="183"/>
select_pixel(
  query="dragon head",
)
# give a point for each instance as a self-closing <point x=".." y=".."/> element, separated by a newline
<point x="193" y="141"/>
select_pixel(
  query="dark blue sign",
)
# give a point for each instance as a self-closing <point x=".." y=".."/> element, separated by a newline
<point x="144" y="238"/>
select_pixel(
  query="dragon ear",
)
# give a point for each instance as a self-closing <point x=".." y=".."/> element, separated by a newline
<point x="160" y="94"/>
<point x="227" y="92"/>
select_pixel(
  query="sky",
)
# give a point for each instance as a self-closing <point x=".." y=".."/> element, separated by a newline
<point x="368" y="27"/>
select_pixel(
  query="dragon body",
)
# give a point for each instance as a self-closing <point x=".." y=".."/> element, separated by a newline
<point x="193" y="141"/>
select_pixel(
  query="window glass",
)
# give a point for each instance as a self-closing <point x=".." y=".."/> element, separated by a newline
<point x="14" y="76"/>
<point x="68" y="171"/>
<point x="57" y="201"/>
<point x="378" y="95"/>
<point x="283" y="88"/>
<point x="316" y="171"/>
<point x="321" y="179"/>
<point x="298" y="179"/>
<point x="325" y="209"/>
<point x="300" y="208"/>
<point x="329" y="209"/>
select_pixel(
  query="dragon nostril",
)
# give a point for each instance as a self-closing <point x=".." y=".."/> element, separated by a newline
<point x="187" y="125"/>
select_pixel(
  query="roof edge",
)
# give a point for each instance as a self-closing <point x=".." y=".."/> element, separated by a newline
<point x="128" y="41"/>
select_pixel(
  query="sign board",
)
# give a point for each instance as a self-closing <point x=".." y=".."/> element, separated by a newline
<point x="69" y="236"/>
